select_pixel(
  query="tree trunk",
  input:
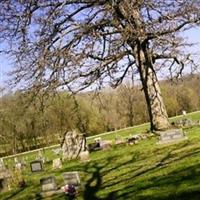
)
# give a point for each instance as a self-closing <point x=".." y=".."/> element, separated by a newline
<point x="156" y="107"/>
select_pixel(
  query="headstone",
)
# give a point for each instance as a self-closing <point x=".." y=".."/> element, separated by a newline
<point x="72" y="144"/>
<point x="143" y="136"/>
<point x="57" y="163"/>
<point x="16" y="160"/>
<point x="184" y="113"/>
<point x="40" y="156"/>
<point x="119" y="140"/>
<point x="18" y="166"/>
<point x="172" y="135"/>
<point x="4" y="180"/>
<point x="2" y="165"/>
<point x="36" y="166"/>
<point x="71" y="178"/>
<point x="95" y="146"/>
<point x="98" y="140"/>
<point x="106" y="144"/>
<point x="23" y="162"/>
<point x="133" y="139"/>
<point x="84" y="156"/>
<point x="48" y="183"/>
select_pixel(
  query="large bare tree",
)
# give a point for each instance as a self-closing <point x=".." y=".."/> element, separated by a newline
<point x="76" y="43"/>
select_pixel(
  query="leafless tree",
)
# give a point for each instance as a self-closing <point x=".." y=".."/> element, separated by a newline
<point x="77" y="43"/>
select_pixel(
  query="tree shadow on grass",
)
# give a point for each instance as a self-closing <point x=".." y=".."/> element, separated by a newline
<point x="129" y="188"/>
<point x="14" y="194"/>
<point x="94" y="183"/>
<point x="189" y="176"/>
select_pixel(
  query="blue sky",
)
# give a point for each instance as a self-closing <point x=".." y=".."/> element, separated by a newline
<point x="193" y="36"/>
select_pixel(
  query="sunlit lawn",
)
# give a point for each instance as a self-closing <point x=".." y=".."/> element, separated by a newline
<point x="143" y="171"/>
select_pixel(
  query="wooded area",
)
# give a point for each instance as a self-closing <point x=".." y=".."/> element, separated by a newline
<point x="77" y="44"/>
<point x="26" y="124"/>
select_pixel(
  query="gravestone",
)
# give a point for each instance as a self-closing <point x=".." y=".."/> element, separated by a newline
<point x="2" y="165"/>
<point x="119" y="140"/>
<point x="57" y="163"/>
<point x="184" y="113"/>
<point x="98" y="140"/>
<point x="48" y="183"/>
<point x="16" y="160"/>
<point x="172" y="135"/>
<point x="84" y="156"/>
<point x="106" y="144"/>
<point x="40" y="156"/>
<point x="95" y="146"/>
<point x="133" y="139"/>
<point x="18" y="166"/>
<point x="71" y="178"/>
<point x="72" y="144"/>
<point x="4" y="180"/>
<point x="36" y="166"/>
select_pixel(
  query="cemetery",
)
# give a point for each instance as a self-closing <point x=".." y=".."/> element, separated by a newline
<point x="146" y="160"/>
<point x="99" y="100"/>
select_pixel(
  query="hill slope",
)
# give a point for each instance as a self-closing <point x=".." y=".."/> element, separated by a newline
<point x="140" y="172"/>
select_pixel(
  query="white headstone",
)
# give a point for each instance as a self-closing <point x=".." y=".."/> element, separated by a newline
<point x="57" y="163"/>
<point x="16" y="160"/>
<point x="18" y="166"/>
<point x="2" y="165"/>
<point x="84" y="156"/>
<point x="184" y="112"/>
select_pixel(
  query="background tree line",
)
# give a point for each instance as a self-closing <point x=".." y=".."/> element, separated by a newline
<point x="29" y="121"/>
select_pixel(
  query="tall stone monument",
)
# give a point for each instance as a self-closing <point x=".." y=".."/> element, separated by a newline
<point x="73" y="143"/>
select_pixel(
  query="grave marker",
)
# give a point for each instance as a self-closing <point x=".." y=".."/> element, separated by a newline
<point x="172" y="135"/>
<point x="57" y="163"/>
<point x="84" y="156"/>
<point x="71" y="178"/>
<point x="36" y="166"/>
<point x="2" y="165"/>
<point x="4" y="180"/>
<point x="48" y="183"/>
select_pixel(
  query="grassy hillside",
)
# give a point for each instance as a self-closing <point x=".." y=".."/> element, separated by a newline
<point x="140" y="172"/>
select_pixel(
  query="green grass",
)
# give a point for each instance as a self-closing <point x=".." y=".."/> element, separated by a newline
<point x="140" y="172"/>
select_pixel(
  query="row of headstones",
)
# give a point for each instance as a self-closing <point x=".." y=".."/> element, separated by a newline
<point x="134" y="139"/>
<point x="100" y="144"/>
<point x="186" y="123"/>
<point x="48" y="184"/>
<point x="36" y="166"/>
<point x="6" y="174"/>
<point x="168" y="136"/>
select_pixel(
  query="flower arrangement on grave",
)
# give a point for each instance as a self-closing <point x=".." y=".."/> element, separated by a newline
<point x="69" y="190"/>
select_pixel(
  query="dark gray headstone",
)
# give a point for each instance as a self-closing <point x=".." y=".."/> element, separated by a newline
<point x="36" y="166"/>
<point x="172" y="135"/>
<point x="71" y="178"/>
<point x="48" y="183"/>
